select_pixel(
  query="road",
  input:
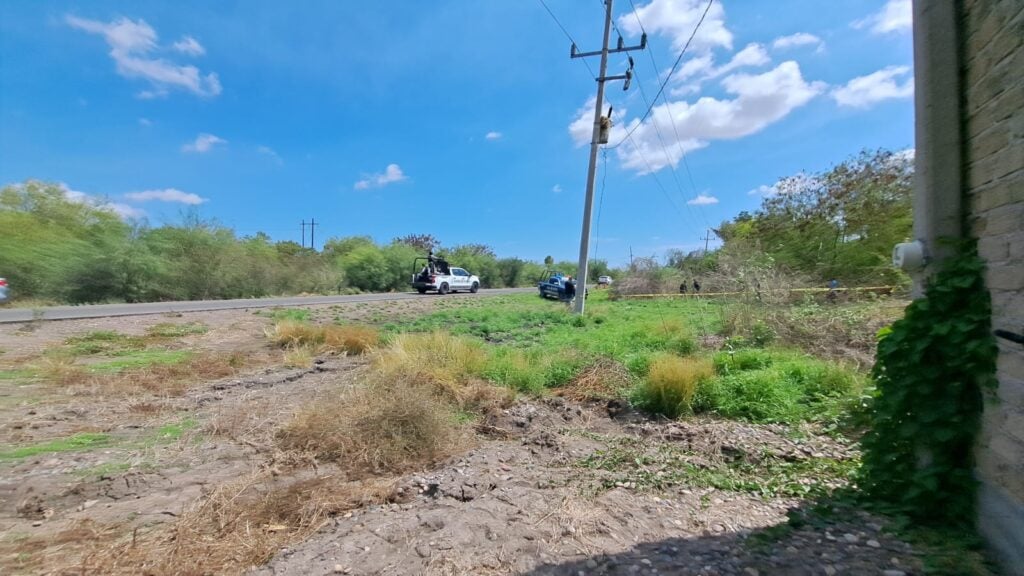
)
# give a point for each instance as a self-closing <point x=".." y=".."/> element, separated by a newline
<point x="105" y="310"/>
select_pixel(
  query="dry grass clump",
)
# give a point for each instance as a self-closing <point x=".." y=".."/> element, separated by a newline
<point x="237" y="526"/>
<point x="436" y="356"/>
<point x="605" y="379"/>
<point x="672" y="382"/>
<point x="321" y="338"/>
<point x="387" y="426"/>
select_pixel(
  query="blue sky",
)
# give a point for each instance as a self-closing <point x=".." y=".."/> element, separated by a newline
<point x="455" y="118"/>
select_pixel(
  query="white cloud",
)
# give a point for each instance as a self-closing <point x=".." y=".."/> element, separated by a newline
<point x="270" y="152"/>
<point x="492" y="135"/>
<point x="145" y="122"/>
<point x="557" y="188"/>
<point x="888" y="83"/>
<point x="895" y="16"/>
<point x="203" y="143"/>
<point x="190" y="46"/>
<point x="702" y="200"/>
<point x="125" y="211"/>
<point x="694" y="72"/>
<point x="132" y="43"/>
<point x="393" y="173"/>
<point x="759" y="101"/>
<point x="166" y="195"/>
<point x="677" y="20"/>
<point x="795" y="40"/>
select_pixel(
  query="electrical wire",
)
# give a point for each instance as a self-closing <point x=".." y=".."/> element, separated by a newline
<point x="567" y="35"/>
<point x="675" y="66"/>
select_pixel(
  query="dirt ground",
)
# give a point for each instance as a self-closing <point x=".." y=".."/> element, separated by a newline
<point x="520" y="500"/>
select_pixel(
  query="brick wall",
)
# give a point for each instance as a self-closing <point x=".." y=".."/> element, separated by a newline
<point x="993" y="131"/>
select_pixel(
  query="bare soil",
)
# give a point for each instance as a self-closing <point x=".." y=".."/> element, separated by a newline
<point x="520" y="500"/>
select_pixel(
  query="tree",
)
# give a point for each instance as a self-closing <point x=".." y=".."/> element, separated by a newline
<point x="549" y="261"/>
<point x="422" y="242"/>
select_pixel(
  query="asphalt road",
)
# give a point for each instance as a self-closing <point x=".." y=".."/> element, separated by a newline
<point x="8" y="315"/>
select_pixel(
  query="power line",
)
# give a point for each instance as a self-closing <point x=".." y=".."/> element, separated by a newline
<point x="668" y="105"/>
<point x="669" y="76"/>
<point x="567" y="35"/>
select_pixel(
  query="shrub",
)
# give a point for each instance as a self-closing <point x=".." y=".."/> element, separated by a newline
<point x="763" y="386"/>
<point x="531" y="370"/>
<point x="349" y="339"/>
<point x="671" y="384"/>
<point x="387" y="426"/>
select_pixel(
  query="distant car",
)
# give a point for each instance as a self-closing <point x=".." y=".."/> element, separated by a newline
<point x="3" y="290"/>
<point x="604" y="280"/>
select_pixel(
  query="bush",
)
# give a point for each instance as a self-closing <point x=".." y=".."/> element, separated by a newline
<point x="671" y="384"/>
<point x="762" y="386"/>
<point x="390" y="426"/>
<point x="348" y="339"/>
<point x="532" y="370"/>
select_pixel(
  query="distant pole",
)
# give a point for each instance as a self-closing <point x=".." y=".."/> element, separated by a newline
<point x="706" y="239"/>
<point x="631" y="257"/>
<point x="303" y="233"/>
<point x="312" y="233"/>
<point x="599" y="136"/>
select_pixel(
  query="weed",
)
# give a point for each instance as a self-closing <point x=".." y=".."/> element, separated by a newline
<point x="661" y="467"/>
<point x="602" y="380"/>
<point x="102" y="342"/>
<point x="330" y="338"/>
<point x="235" y="527"/>
<point x="171" y="330"/>
<point x="762" y="386"/>
<point x="141" y="359"/>
<point x="387" y="426"/>
<point x="82" y="441"/>
<point x="293" y="314"/>
<point x="298" y="357"/>
<point x="671" y="384"/>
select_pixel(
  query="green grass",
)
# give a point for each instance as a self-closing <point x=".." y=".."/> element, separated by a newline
<point x="173" y="432"/>
<point x="535" y="344"/>
<point x="626" y="331"/>
<point x="140" y="359"/>
<point x="778" y="386"/>
<point x="667" y="466"/>
<point x="104" y="342"/>
<point x="296" y="314"/>
<point x="82" y="441"/>
<point x="171" y="330"/>
<point x="17" y="374"/>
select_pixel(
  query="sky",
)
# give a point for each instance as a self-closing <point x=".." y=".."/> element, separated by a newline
<point x="462" y="119"/>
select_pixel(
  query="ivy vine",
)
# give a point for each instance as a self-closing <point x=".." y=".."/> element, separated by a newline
<point x="931" y="372"/>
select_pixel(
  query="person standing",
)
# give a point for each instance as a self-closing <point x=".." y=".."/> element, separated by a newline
<point x="696" y="286"/>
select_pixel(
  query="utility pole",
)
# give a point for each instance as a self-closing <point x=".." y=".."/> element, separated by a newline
<point x="312" y="233"/>
<point x="706" y="239"/>
<point x="303" y="233"/>
<point x="630" y="257"/>
<point x="600" y="136"/>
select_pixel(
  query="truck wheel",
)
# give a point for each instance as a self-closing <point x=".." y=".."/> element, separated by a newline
<point x="421" y="290"/>
<point x="443" y="288"/>
<point x="475" y="287"/>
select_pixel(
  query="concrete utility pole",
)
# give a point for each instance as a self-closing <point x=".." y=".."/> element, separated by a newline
<point x="600" y="136"/>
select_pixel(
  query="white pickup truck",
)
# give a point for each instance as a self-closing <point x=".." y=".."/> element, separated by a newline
<point x="435" y="274"/>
